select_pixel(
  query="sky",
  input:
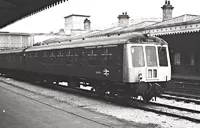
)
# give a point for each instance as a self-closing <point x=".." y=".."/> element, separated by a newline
<point x="103" y="13"/>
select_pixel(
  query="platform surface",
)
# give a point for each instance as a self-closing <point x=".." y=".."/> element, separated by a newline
<point x="24" y="109"/>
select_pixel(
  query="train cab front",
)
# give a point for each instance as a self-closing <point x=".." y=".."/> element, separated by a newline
<point x="147" y="67"/>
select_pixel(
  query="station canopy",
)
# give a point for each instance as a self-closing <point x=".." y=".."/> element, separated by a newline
<point x="13" y="10"/>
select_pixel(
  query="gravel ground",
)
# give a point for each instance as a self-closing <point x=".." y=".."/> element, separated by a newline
<point x="121" y="112"/>
<point x="182" y="105"/>
<point x="178" y="103"/>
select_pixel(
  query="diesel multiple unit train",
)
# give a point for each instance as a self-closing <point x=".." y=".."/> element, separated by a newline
<point x="128" y="65"/>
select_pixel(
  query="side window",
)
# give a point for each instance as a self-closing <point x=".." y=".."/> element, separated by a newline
<point x="107" y="56"/>
<point x="189" y="58"/>
<point x="92" y="56"/>
<point x="59" y="58"/>
<point x="82" y="58"/>
<point x="36" y="55"/>
<point x="33" y="56"/>
<point x="76" y="56"/>
<point x="45" y="57"/>
<point x="117" y="54"/>
<point x="69" y="57"/>
<point x="30" y="55"/>
<point x="51" y="58"/>
<point x="162" y="55"/>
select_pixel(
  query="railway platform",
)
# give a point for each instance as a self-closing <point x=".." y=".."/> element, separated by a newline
<point x="184" y="84"/>
<point x="186" y="77"/>
<point x="23" y="109"/>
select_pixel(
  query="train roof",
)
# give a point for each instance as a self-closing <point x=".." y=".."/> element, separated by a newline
<point x="95" y="41"/>
<point x="100" y="41"/>
<point x="11" y="51"/>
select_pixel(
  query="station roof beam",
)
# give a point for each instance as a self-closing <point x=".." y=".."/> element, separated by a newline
<point x="13" y="10"/>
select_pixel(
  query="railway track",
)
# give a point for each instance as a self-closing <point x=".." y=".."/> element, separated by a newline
<point x="159" y="108"/>
<point x="180" y="98"/>
<point x="179" y="112"/>
<point x="179" y="94"/>
<point x="172" y="111"/>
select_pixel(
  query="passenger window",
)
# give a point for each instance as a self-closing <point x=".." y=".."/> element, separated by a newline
<point x="76" y="57"/>
<point x="107" y="57"/>
<point x="51" y="58"/>
<point x="69" y="57"/>
<point x="59" y="58"/>
<point x="36" y="55"/>
<point x="92" y="56"/>
<point x="82" y="58"/>
<point x="45" y="57"/>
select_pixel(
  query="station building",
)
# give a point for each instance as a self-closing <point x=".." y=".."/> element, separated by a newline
<point x="15" y="40"/>
<point x="77" y="24"/>
<point x="183" y="36"/>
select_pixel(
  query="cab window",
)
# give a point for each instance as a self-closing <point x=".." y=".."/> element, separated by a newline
<point x="162" y="55"/>
<point x="151" y="56"/>
<point x="137" y="56"/>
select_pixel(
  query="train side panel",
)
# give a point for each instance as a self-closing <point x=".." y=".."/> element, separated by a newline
<point x="99" y="62"/>
<point x="12" y="61"/>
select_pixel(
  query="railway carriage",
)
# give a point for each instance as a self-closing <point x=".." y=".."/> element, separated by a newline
<point x="125" y="65"/>
<point x="12" y="61"/>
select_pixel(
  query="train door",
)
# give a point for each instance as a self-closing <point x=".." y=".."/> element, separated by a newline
<point x="22" y="58"/>
<point x="82" y="56"/>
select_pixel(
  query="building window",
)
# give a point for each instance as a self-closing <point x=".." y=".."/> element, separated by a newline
<point x="177" y="59"/>
<point x="192" y="60"/>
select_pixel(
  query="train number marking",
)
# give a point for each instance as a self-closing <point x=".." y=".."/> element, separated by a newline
<point x="106" y="72"/>
<point x="98" y="72"/>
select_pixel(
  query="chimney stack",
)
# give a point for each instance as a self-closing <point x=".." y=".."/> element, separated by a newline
<point x="123" y="20"/>
<point x="87" y="25"/>
<point x="167" y="10"/>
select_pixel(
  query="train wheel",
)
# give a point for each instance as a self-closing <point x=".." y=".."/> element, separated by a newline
<point x="147" y="97"/>
<point x="100" y="92"/>
<point x="74" y="83"/>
